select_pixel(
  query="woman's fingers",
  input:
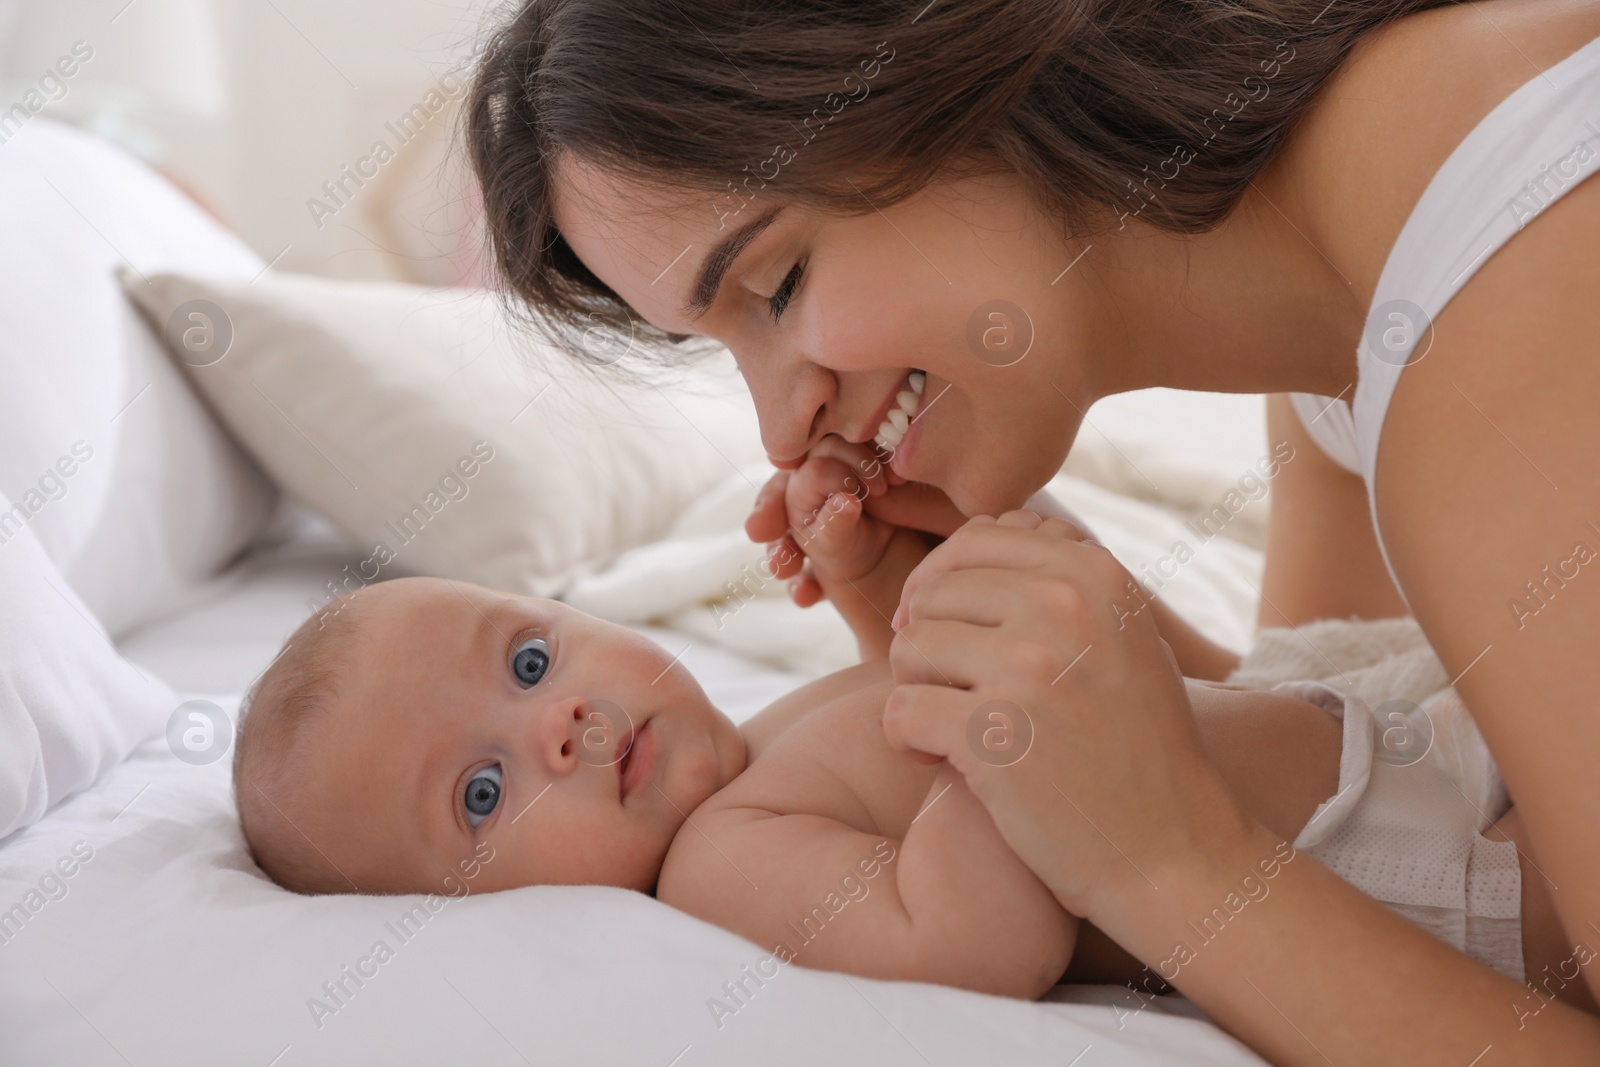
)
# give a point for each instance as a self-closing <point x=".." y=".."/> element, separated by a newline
<point x="1026" y="663"/>
<point x="1013" y="547"/>
<point x="994" y="596"/>
<point x="1058" y="525"/>
<point x="983" y="596"/>
<point x="952" y="654"/>
<point x="1021" y="518"/>
<point x="927" y="719"/>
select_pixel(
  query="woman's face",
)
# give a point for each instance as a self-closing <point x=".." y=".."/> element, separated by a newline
<point x="827" y="316"/>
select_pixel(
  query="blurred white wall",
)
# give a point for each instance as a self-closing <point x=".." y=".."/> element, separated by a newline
<point x="253" y="105"/>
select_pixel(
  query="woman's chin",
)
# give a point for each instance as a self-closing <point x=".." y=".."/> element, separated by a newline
<point x="983" y="497"/>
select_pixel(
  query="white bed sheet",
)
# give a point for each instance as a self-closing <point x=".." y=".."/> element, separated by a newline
<point x="168" y="946"/>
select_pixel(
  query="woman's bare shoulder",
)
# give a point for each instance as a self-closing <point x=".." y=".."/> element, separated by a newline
<point x="1406" y="96"/>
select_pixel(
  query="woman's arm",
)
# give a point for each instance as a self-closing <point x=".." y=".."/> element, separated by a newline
<point x="1119" y="810"/>
<point x="1279" y="757"/>
<point x="1323" y="560"/>
<point x="1488" y="487"/>
<point x="949" y="904"/>
<point x="1319" y="973"/>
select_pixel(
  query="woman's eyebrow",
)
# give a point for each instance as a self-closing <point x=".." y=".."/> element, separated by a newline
<point x="721" y="258"/>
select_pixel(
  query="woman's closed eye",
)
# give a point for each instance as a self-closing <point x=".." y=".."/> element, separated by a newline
<point x="779" y="301"/>
<point x="530" y="661"/>
<point x="482" y="794"/>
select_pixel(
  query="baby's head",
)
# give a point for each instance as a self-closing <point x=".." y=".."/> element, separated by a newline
<point x="395" y="736"/>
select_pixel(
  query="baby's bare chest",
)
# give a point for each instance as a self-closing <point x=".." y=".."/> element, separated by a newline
<point x="834" y="762"/>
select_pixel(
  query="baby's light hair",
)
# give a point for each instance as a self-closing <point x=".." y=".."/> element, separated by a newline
<point x="301" y="684"/>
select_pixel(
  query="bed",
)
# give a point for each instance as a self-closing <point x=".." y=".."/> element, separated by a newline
<point x="134" y="928"/>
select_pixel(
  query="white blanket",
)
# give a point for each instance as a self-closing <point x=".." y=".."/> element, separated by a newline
<point x="70" y="707"/>
<point x="165" y="945"/>
<point x="706" y="578"/>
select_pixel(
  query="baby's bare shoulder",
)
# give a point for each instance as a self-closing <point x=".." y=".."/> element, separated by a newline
<point x="831" y="741"/>
<point x="779" y="717"/>
<point x="820" y="751"/>
<point x="819" y="797"/>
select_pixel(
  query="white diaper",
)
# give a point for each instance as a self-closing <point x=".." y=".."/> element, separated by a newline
<point x="1417" y="785"/>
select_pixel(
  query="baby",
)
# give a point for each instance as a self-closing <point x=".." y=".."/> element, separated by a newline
<point x="430" y="723"/>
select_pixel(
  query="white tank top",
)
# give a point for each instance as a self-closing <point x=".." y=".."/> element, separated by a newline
<point x="1534" y="147"/>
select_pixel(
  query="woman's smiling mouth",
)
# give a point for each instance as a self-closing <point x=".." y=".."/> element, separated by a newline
<point x="902" y="408"/>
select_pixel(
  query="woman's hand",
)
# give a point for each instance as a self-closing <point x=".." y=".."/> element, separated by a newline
<point x="1068" y="719"/>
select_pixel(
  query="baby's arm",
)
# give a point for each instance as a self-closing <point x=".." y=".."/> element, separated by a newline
<point x="949" y="904"/>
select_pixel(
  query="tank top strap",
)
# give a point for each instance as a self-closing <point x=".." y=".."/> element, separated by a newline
<point x="1533" y="148"/>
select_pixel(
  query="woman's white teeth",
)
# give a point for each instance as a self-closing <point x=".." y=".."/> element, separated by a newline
<point x="893" y="430"/>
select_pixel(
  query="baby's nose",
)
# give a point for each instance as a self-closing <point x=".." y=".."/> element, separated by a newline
<point x="577" y="731"/>
<point x="600" y="733"/>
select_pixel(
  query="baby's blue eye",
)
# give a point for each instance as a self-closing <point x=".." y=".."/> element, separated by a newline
<point x="530" y="661"/>
<point x="483" y="793"/>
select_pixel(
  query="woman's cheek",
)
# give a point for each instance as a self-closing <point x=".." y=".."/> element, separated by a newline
<point x="840" y="334"/>
<point x="855" y="321"/>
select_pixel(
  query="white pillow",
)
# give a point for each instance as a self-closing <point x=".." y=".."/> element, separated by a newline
<point x="70" y="707"/>
<point x="444" y="441"/>
<point x="109" y="458"/>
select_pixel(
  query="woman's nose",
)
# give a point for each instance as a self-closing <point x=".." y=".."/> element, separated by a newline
<point x="793" y="397"/>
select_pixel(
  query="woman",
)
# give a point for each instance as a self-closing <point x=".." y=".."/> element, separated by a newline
<point x="1038" y="205"/>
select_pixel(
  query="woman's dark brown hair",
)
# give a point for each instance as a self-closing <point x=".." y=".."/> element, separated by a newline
<point x="1162" y="109"/>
